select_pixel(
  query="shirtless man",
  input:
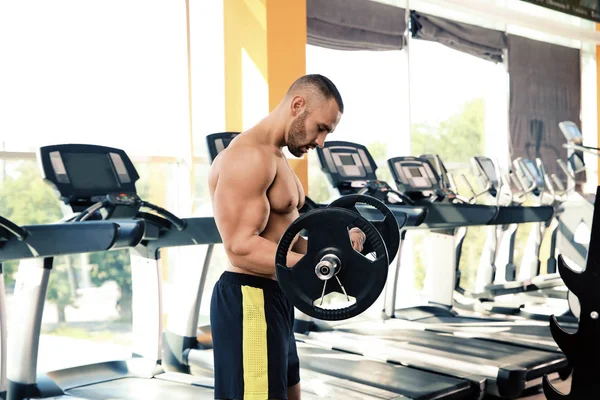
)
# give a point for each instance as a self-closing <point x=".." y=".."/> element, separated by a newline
<point x="255" y="196"/>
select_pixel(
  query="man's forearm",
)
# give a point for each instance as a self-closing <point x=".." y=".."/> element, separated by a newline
<point x="257" y="254"/>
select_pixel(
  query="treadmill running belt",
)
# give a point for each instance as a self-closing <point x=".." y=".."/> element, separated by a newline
<point x="525" y="333"/>
<point x="538" y="329"/>
<point x="475" y="351"/>
<point x="413" y="383"/>
<point x="141" y="388"/>
<point x="508" y="369"/>
<point x="531" y="334"/>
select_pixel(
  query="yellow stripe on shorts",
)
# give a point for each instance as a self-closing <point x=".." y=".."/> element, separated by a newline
<point x="256" y="373"/>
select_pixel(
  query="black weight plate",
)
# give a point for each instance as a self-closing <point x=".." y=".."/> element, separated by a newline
<point x="327" y="230"/>
<point x="388" y="227"/>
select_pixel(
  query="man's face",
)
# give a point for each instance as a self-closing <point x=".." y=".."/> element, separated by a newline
<point x="309" y="129"/>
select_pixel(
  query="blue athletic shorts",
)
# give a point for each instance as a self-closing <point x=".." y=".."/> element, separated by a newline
<point x="254" y="348"/>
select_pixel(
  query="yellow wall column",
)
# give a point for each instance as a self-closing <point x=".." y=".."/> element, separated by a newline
<point x="273" y="34"/>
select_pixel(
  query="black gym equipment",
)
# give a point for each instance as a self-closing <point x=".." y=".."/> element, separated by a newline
<point x="99" y="182"/>
<point x="582" y="347"/>
<point x="496" y="276"/>
<point x="349" y="167"/>
<point x="331" y="258"/>
<point x="526" y="333"/>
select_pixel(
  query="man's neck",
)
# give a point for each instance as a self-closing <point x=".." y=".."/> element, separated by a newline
<point x="272" y="129"/>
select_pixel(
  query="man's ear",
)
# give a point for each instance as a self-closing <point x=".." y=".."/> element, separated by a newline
<point x="297" y="105"/>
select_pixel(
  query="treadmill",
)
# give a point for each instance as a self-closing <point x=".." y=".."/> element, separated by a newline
<point x="577" y="211"/>
<point x="112" y="198"/>
<point x="349" y="167"/>
<point x="532" y="334"/>
<point x="530" y="275"/>
<point x="92" y="180"/>
<point x="529" y="280"/>
<point x="523" y="332"/>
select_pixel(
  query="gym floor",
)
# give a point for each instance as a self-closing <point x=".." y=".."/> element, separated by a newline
<point x="539" y="395"/>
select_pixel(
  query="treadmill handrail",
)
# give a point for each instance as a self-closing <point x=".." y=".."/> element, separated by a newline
<point x="407" y="216"/>
<point x="441" y="215"/>
<point x="58" y="239"/>
<point x="438" y="215"/>
<point x="198" y="231"/>
<point x="586" y="149"/>
<point x="520" y="215"/>
<point x="13" y="228"/>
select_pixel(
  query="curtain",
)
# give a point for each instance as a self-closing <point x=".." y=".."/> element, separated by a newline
<point x="480" y="42"/>
<point x="354" y="25"/>
<point x="545" y="89"/>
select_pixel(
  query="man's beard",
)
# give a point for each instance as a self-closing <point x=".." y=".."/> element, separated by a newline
<point x="297" y="135"/>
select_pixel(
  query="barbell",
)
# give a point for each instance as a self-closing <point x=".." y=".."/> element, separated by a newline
<point x="333" y="281"/>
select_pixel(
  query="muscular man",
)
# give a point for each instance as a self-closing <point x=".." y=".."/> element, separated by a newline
<point x="255" y="196"/>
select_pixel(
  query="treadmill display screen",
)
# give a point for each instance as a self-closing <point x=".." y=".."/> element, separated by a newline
<point x="574" y="131"/>
<point x="120" y="167"/>
<point x="415" y="177"/>
<point x="534" y="172"/>
<point x="570" y="131"/>
<point x="415" y="172"/>
<point x="439" y="168"/>
<point x="59" y="167"/>
<point x="489" y="169"/>
<point x="347" y="160"/>
<point x="90" y="171"/>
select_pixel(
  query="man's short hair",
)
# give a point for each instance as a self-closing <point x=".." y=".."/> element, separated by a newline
<point x="322" y="84"/>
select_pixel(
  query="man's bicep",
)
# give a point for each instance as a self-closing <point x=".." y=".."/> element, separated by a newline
<point x="241" y="213"/>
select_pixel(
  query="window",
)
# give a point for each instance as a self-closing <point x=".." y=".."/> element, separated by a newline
<point x="115" y="74"/>
<point x="373" y="86"/>
<point x="208" y="72"/>
<point x="458" y="111"/>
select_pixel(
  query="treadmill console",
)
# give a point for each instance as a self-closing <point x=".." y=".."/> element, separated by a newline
<point x="571" y="132"/>
<point x="530" y="176"/>
<point x="440" y="169"/>
<point x="217" y="142"/>
<point x="573" y="135"/>
<point x="577" y="162"/>
<point x="85" y="174"/>
<point x="485" y="171"/>
<point x="348" y="166"/>
<point x="415" y="177"/>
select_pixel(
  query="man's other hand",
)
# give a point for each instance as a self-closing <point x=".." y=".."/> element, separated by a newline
<point x="357" y="237"/>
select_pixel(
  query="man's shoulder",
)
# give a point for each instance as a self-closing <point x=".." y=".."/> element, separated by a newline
<point x="246" y="152"/>
<point x="247" y="157"/>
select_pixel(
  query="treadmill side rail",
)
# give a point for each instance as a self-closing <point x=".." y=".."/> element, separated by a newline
<point x="73" y="238"/>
